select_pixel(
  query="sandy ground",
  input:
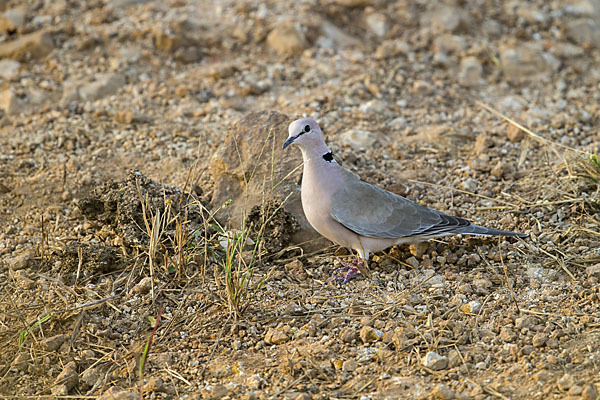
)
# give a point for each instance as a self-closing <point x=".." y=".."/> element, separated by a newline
<point x="110" y="113"/>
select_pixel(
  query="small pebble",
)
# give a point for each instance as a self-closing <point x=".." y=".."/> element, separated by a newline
<point x="566" y="382"/>
<point x="369" y="334"/>
<point x="442" y="392"/>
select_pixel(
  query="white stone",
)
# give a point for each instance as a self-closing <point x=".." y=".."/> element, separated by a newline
<point x="9" y="69"/>
<point x="377" y="23"/>
<point x="435" y="361"/>
<point x="361" y="139"/>
<point x="470" y="72"/>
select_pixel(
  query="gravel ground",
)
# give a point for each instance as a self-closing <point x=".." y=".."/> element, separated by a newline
<point x="111" y="111"/>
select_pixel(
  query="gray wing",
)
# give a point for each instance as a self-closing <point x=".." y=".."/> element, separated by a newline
<point x="374" y="212"/>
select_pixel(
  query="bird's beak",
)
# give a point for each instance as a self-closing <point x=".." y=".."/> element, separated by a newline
<point x="289" y="141"/>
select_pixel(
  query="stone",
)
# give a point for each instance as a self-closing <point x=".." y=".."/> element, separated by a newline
<point x="243" y="172"/>
<point x="53" y="343"/>
<point x="303" y="396"/>
<point x="587" y="8"/>
<point x="514" y="133"/>
<point x="287" y="38"/>
<point x="143" y="286"/>
<point x="465" y="288"/>
<point x="527" y="61"/>
<point x="218" y="391"/>
<point x="276" y="336"/>
<point x="333" y="37"/>
<point x="90" y="376"/>
<point x="593" y="270"/>
<point x="295" y="269"/>
<point x="418" y="249"/>
<point x="349" y="365"/>
<point x="482" y="283"/>
<point x="443" y="392"/>
<point x="369" y="334"/>
<point x="589" y="392"/>
<point x="30" y="46"/>
<point x="373" y="107"/>
<point x="125" y="117"/>
<point x="443" y="60"/>
<point x="125" y="3"/>
<point x="575" y="390"/>
<point x="166" y="40"/>
<point x="67" y="379"/>
<point x="354" y="3"/>
<point x="448" y="43"/>
<point x="23" y="280"/>
<point x="584" y="31"/>
<point x="565" y="382"/>
<point x="422" y="88"/>
<point x="473" y="186"/>
<point x="348" y="335"/>
<point x="391" y="48"/>
<point x="12" y="20"/>
<point x="499" y="170"/>
<point x="470" y="72"/>
<point x="154" y="384"/>
<point x="507" y="334"/>
<point x="454" y="359"/>
<point x="434" y="361"/>
<point x="525" y="322"/>
<point x="21" y="261"/>
<point x="10" y="103"/>
<point x="21" y="361"/>
<point x="542" y="376"/>
<point x="377" y="23"/>
<point x="531" y="14"/>
<point x="472" y="307"/>
<point x="539" y="339"/>
<point x="183" y="38"/>
<point x="104" y="85"/>
<point x="448" y="19"/>
<point x="527" y="349"/>
<point x="3" y="188"/>
<point x="567" y="51"/>
<point x="482" y="144"/>
<point x="413" y="262"/>
<point x="255" y="382"/>
<point x="115" y="393"/>
<point x="361" y="139"/>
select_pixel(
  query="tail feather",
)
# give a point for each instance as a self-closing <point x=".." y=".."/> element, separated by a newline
<point x="483" y="231"/>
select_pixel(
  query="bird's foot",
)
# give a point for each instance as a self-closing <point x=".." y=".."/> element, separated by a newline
<point x="351" y="271"/>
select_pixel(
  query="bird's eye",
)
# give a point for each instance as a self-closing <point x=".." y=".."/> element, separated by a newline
<point x="307" y="128"/>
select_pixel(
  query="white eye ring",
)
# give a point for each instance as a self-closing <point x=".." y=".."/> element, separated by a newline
<point x="306" y="128"/>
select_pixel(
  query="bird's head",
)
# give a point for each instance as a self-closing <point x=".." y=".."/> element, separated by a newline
<point x="306" y="133"/>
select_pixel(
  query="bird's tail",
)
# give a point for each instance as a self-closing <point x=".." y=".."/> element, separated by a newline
<point x="483" y="231"/>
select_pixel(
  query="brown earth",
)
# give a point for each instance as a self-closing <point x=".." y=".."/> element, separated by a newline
<point x="113" y="231"/>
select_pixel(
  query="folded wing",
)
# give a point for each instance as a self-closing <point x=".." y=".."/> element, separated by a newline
<point x="374" y="212"/>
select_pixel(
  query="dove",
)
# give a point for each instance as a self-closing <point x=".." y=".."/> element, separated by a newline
<point x="360" y="216"/>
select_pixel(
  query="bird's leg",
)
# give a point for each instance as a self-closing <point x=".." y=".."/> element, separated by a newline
<point x="352" y="271"/>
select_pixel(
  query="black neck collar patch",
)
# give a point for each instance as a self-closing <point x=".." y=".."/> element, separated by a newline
<point x="328" y="157"/>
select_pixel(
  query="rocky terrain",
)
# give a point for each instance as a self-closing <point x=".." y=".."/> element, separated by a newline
<point x="151" y="239"/>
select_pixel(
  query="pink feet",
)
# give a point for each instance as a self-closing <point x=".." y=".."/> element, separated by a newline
<point x="352" y="271"/>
